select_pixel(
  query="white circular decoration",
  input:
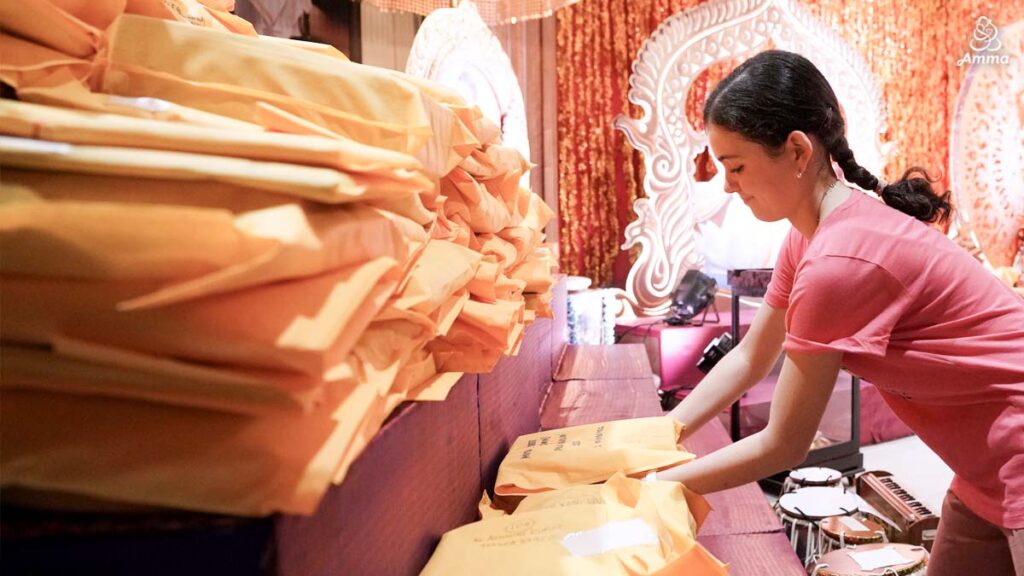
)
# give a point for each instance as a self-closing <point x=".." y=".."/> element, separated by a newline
<point x="455" y="47"/>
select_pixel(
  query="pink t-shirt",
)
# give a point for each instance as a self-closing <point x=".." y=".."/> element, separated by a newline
<point x="939" y="336"/>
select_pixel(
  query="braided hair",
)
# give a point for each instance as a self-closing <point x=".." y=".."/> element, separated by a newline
<point x="776" y="93"/>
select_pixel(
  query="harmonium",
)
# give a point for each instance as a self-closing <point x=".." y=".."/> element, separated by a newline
<point x="911" y="521"/>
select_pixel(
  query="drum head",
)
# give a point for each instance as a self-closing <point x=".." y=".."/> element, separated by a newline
<point x="843" y="562"/>
<point x="817" y="503"/>
<point x="854" y="530"/>
<point x="815" y="476"/>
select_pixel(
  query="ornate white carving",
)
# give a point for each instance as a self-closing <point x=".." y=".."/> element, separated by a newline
<point x="663" y="72"/>
<point x="456" y="48"/>
<point x="987" y="151"/>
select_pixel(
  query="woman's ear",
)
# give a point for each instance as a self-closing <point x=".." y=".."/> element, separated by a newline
<point x="800" y="149"/>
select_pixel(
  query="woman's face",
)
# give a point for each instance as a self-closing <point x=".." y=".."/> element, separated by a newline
<point x="767" y="184"/>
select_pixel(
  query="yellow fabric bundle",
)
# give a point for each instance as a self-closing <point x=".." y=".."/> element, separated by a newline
<point x="78" y="127"/>
<point x="460" y="350"/>
<point x="76" y="367"/>
<point x="313" y="183"/>
<point x="590" y="453"/>
<point x="535" y="271"/>
<point x="491" y="284"/>
<point x="160" y="242"/>
<point x="484" y="212"/>
<point x="624" y="527"/>
<point x="497" y="247"/>
<point x="156" y="242"/>
<point x="443" y="269"/>
<point x="307" y="325"/>
<point x="27" y="64"/>
<point x="496" y="324"/>
<point x="230" y="74"/>
<point x="194" y="459"/>
<point x="45" y="23"/>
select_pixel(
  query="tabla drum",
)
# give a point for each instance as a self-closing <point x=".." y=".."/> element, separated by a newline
<point x="803" y="509"/>
<point x="838" y="532"/>
<point x="887" y="559"/>
<point x="815" y="476"/>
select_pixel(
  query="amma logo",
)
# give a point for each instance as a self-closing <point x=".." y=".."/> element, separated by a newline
<point x="985" y="45"/>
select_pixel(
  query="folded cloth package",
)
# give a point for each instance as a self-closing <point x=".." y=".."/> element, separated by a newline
<point x="28" y="64"/>
<point x="229" y="74"/>
<point x="306" y="326"/>
<point x="82" y="127"/>
<point x="195" y="459"/>
<point x="83" y="368"/>
<point x="45" y="23"/>
<point x="190" y="252"/>
<point x="590" y="453"/>
<point x="308" y="182"/>
<point x="624" y="527"/>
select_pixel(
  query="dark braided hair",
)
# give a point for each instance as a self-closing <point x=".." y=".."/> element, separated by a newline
<point x="776" y="93"/>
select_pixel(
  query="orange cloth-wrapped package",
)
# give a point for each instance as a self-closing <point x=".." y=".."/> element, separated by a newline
<point x="194" y="251"/>
<point x="192" y="459"/>
<point x="79" y="127"/>
<point x="45" y="23"/>
<point x="28" y="64"/>
<point x="486" y="213"/>
<point x="590" y="453"/>
<point x="624" y="528"/>
<point x="308" y="182"/>
<point x="230" y="74"/>
<point x="442" y="270"/>
<point x="307" y="325"/>
<point x="82" y="368"/>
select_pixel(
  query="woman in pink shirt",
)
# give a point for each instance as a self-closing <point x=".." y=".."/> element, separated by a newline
<point x="871" y="287"/>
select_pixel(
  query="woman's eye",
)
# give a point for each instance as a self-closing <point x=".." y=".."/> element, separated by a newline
<point x="737" y="170"/>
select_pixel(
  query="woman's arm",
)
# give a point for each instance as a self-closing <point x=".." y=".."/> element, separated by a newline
<point x="800" y="398"/>
<point x="737" y="372"/>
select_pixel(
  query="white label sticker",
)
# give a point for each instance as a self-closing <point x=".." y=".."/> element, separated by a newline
<point x="12" y="144"/>
<point x="147" y="104"/>
<point x="610" y="536"/>
<point x="854" y="524"/>
<point x="880" y="558"/>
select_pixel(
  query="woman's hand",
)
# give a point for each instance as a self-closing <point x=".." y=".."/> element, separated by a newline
<point x="801" y="395"/>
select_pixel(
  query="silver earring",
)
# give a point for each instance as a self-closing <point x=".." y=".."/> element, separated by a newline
<point x="799" y="174"/>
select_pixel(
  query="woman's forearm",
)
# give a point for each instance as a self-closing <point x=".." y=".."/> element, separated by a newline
<point x="798" y="402"/>
<point x="747" y="460"/>
<point x="731" y="377"/>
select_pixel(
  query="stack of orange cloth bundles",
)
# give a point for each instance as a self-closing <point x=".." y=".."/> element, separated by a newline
<point x="226" y="258"/>
<point x="624" y="527"/>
